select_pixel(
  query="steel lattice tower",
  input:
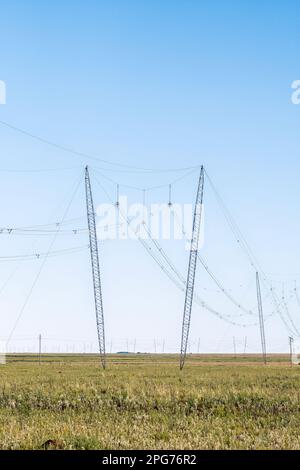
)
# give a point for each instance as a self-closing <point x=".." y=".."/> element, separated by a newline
<point x="291" y="341"/>
<point x="95" y="267"/>
<point x="189" y="292"/>
<point x="261" y="320"/>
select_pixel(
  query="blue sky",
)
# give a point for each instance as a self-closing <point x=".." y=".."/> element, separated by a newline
<point x="152" y="84"/>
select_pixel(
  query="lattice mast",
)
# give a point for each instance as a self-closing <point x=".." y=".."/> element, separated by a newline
<point x="189" y="291"/>
<point x="95" y="267"/>
<point x="261" y="319"/>
<point x="291" y="341"/>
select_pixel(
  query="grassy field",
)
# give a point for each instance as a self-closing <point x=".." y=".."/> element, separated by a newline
<point x="145" y="402"/>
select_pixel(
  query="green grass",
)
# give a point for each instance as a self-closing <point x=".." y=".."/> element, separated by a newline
<point x="145" y="402"/>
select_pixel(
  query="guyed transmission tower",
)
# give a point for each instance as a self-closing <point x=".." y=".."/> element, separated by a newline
<point x="95" y="267"/>
<point x="189" y="290"/>
<point x="261" y="319"/>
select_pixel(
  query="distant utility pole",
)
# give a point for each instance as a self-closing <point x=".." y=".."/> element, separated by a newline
<point x="134" y="345"/>
<point x="291" y="340"/>
<point x="234" y="347"/>
<point x="163" y="346"/>
<point x="40" y="348"/>
<point x="155" y="346"/>
<point x="198" y="346"/>
<point x="245" y="345"/>
<point x="261" y="320"/>
<point x="170" y="195"/>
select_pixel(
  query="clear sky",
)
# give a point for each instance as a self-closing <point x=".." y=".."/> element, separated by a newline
<point x="150" y="84"/>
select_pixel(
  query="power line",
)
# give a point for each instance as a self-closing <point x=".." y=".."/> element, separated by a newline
<point x="47" y="254"/>
<point x="37" y="170"/>
<point x="38" y="226"/>
<point x="296" y="294"/>
<point x="40" y="233"/>
<point x="118" y="184"/>
<point x="261" y="319"/>
<point x="178" y="280"/>
<point x="242" y="242"/>
<point x="284" y="304"/>
<point x="214" y="278"/>
<point x="86" y="155"/>
<point x="35" y="281"/>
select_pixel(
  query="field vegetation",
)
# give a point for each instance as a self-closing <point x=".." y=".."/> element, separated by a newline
<point x="145" y="402"/>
